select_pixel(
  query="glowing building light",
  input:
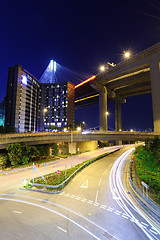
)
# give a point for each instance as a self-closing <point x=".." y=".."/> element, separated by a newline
<point x="51" y="65"/>
<point x="24" y="79"/>
<point x="89" y="79"/>
<point x="55" y="66"/>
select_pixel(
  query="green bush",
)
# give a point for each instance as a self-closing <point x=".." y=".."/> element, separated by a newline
<point x="4" y="161"/>
<point x="43" y="150"/>
<point x="55" y="150"/>
<point x="147" y="165"/>
<point x="21" y="154"/>
<point x="63" y="149"/>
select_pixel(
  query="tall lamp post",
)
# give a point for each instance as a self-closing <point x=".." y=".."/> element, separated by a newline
<point x="71" y="145"/>
<point x="44" y="111"/>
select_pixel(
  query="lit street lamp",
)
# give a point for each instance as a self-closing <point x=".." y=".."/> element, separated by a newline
<point x="102" y="68"/>
<point x="78" y="129"/>
<point x="44" y="111"/>
<point x="126" y="54"/>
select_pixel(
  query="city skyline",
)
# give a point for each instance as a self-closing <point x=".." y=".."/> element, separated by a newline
<point x="80" y="37"/>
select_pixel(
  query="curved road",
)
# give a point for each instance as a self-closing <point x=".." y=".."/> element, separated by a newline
<point x="94" y="205"/>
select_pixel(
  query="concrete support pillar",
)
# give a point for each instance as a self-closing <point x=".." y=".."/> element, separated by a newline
<point x="103" y="109"/>
<point x="118" y="118"/>
<point x="72" y="147"/>
<point x="155" y="85"/>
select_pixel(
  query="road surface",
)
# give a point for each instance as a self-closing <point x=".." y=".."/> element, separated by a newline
<point x="93" y="206"/>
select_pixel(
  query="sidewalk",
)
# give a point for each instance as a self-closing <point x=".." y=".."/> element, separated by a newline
<point x="60" y="164"/>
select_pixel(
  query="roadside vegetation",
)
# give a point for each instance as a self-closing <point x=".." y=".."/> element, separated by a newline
<point x="68" y="174"/>
<point x="147" y="159"/>
<point x="19" y="154"/>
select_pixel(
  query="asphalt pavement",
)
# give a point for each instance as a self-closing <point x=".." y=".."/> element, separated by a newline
<point x="93" y="205"/>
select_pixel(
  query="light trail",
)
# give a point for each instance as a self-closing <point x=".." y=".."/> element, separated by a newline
<point x="87" y="80"/>
<point x="85" y="98"/>
<point x="121" y="196"/>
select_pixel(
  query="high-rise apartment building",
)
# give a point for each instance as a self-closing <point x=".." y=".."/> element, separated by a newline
<point x="34" y="106"/>
<point x="56" y="105"/>
<point x="22" y="100"/>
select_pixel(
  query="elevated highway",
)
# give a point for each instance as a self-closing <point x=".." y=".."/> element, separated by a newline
<point x="47" y="138"/>
<point x="138" y="75"/>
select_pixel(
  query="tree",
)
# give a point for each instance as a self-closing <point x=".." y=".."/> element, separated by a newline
<point x="54" y="148"/>
<point x="16" y="152"/>
<point x="43" y="150"/>
<point x="4" y="161"/>
<point x="155" y="148"/>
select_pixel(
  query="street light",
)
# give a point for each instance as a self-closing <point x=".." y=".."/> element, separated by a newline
<point x="78" y="129"/>
<point x="102" y="68"/>
<point x="107" y="113"/>
<point x="126" y="54"/>
<point x="44" y="111"/>
<point x="65" y="129"/>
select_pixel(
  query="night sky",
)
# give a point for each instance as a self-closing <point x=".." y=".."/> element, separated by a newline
<point x="80" y="35"/>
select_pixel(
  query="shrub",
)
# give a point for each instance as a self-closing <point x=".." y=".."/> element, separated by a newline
<point x="54" y="148"/>
<point x="4" y="161"/>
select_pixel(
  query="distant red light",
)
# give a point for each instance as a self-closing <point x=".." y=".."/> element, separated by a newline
<point x="89" y="79"/>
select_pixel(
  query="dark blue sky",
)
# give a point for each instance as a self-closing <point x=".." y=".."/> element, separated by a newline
<point x="77" y="34"/>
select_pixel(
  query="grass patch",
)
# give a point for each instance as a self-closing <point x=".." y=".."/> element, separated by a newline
<point x="148" y="171"/>
<point x="52" y="178"/>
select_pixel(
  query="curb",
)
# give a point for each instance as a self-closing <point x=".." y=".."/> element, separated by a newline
<point x="90" y="161"/>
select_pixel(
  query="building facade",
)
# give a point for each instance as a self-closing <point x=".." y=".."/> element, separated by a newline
<point x="56" y="105"/>
<point x="22" y="100"/>
<point x="34" y="106"/>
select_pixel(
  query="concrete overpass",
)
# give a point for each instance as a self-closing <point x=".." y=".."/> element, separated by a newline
<point x="75" y="140"/>
<point x="137" y="75"/>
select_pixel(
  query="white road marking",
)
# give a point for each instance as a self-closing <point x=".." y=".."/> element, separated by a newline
<point x="96" y="196"/>
<point x="17" y="212"/>
<point x="62" y="229"/>
<point x="153" y="231"/>
<point x="105" y="171"/>
<point x="134" y="220"/>
<point x="117" y="213"/>
<point x="90" y="201"/>
<point x="66" y="195"/>
<point x="100" y="181"/>
<point x="72" y="196"/>
<point x="124" y="217"/>
<point x="85" y="184"/>
<point x="144" y="224"/>
<point x="108" y="209"/>
<point x="103" y="206"/>
<point x="78" y="198"/>
<point x="126" y="214"/>
<point x="83" y="199"/>
<point x="55" y="212"/>
<point x="96" y="204"/>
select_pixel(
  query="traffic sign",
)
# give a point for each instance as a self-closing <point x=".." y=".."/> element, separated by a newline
<point x="58" y="171"/>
